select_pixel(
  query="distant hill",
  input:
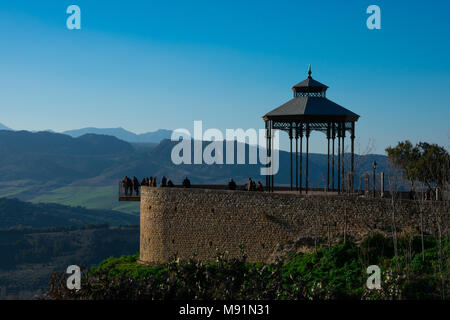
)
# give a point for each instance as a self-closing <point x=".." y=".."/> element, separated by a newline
<point x="15" y="213"/>
<point x="28" y="257"/>
<point x="46" y="156"/>
<point x="93" y="159"/>
<point x="3" y="127"/>
<point x="125" y="135"/>
<point x="158" y="162"/>
<point x="84" y="171"/>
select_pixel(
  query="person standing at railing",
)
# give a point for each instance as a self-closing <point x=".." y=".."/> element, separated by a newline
<point x="259" y="186"/>
<point x="125" y="185"/>
<point x="129" y="186"/>
<point x="186" y="183"/>
<point x="249" y="185"/>
<point x="136" y="186"/>
<point x="231" y="184"/>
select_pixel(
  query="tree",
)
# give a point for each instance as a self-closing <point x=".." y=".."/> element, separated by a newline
<point x="404" y="156"/>
<point x="432" y="168"/>
<point x="424" y="162"/>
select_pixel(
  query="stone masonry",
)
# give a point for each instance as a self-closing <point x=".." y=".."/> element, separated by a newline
<point x="200" y="221"/>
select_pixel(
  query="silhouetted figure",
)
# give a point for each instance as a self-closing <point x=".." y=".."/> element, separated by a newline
<point x="231" y="184"/>
<point x="130" y="186"/>
<point x="163" y="181"/>
<point x="136" y="186"/>
<point x="259" y="186"/>
<point x="154" y="181"/>
<point x="144" y="182"/>
<point x="428" y="194"/>
<point x="186" y="183"/>
<point x="170" y="183"/>
<point x="125" y="185"/>
<point x="412" y="193"/>
<point x="251" y="185"/>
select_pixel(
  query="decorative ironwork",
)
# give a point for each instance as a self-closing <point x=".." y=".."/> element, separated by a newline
<point x="321" y="94"/>
<point x="323" y="116"/>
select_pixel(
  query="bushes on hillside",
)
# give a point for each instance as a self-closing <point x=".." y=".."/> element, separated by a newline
<point x="336" y="272"/>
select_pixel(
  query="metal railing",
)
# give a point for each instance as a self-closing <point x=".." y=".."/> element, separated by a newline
<point x="131" y="194"/>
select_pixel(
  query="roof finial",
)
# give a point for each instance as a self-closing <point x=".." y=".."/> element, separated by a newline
<point x="309" y="71"/>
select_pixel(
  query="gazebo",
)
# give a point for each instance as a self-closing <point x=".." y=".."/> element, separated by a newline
<point x="308" y="111"/>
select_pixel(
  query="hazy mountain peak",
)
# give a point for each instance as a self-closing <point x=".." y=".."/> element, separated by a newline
<point x="123" y="134"/>
<point x="3" y="127"/>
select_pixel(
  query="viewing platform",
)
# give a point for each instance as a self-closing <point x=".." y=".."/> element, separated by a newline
<point x="127" y="196"/>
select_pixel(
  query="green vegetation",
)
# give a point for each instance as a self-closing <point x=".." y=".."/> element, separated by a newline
<point x="90" y="197"/>
<point x="12" y="191"/>
<point x="15" y="213"/>
<point x="424" y="162"/>
<point x="335" y="272"/>
<point x="29" y="256"/>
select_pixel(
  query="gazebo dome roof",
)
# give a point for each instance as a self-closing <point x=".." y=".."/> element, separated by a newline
<point x="311" y="108"/>
<point x="310" y="82"/>
<point x="310" y="105"/>
<point x="309" y="85"/>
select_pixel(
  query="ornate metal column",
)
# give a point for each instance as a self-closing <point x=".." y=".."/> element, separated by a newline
<point x="268" y="140"/>
<point x="290" y="152"/>
<point x="271" y="154"/>
<point x="343" y="153"/>
<point x="296" y="157"/>
<point x="301" y="156"/>
<point x="307" y="157"/>
<point x="328" y="157"/>
<point x="333" y="136"/>
<point x="267" y="155"/>
<point x="339" y="157"/>
<point x="353" y="157"/>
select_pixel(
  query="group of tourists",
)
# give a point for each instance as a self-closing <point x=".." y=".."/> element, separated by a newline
<point x="131" y="185"/>
<point x="429" y="194"/>
<point x="249" y="186"/>
<point x="152" y="182"/>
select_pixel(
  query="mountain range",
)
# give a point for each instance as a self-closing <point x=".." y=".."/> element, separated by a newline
<point x="93" y="159"/>
<point x="85" y="171"/>
<point x="125" y="135"/>
<point x="120" y="133"/>
<point x="3" y="127"/>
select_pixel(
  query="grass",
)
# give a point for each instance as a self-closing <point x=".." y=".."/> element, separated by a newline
<point x="12" y="191"/>
<point x="90" y="197"/>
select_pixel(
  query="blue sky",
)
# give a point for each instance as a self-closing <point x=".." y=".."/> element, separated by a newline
<point x="145" y="65"/>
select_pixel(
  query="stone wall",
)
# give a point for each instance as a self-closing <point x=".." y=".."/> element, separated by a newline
<point x="200" y="221"/>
